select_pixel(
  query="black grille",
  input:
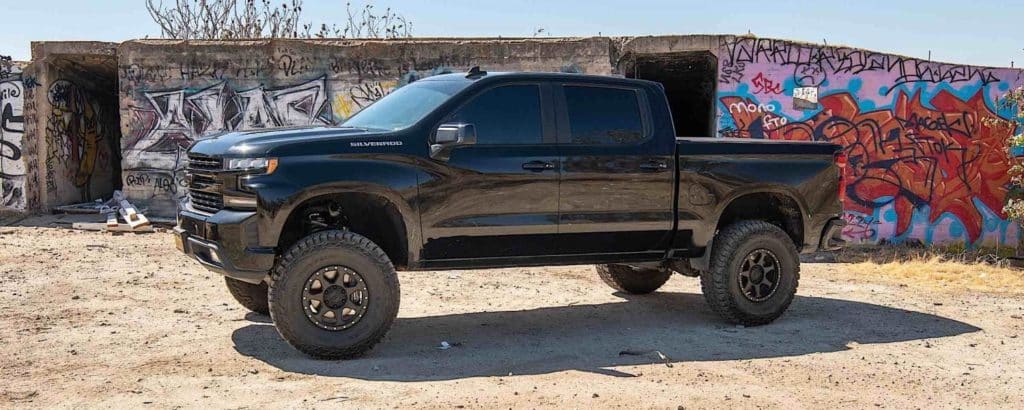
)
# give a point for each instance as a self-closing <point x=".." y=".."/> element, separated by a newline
<point x="205" y="201"/>
<point x="199" y="162"/>
<point x="202" y="181"/>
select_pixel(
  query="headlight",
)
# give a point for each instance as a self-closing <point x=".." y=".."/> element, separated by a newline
<point x="268" y="165"/>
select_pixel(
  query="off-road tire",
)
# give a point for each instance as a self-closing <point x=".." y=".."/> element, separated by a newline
<point x="629" y="279"/>
<point x="330" y="248"/>
<point x="250" y="296"/>
<point x="721" y="284"/>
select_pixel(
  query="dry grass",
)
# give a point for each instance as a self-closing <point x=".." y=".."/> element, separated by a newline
<point x="950" y="269"/>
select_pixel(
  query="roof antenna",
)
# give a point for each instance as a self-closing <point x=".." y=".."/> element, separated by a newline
<point x="475" y="72"/>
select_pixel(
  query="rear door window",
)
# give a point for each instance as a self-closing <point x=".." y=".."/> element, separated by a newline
<point x="604" y="115"/>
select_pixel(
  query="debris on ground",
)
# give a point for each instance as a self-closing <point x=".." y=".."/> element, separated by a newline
<point x="101" y="226"/>
<point x="20" y="396"/>
<point x="445" y="345"/>
<point x="117" y="205"/>
<point x="134" y="218"/>
<point x="85" y="208"/>
<point x="668" y="362"/>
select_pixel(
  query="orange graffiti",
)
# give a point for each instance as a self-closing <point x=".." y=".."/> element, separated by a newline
<point x="910" y="155"/>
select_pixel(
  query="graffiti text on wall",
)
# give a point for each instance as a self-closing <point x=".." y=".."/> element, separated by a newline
<point x="12" y="128"/>
<point x="171" y="105"/>
<point x="924" y="162"/>
<point x="175" y="118"/>
<point x="169" y="121"/>
<point x="811" y="64"/>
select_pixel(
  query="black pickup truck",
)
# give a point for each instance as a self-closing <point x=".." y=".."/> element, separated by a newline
<point x="485" y="170"/>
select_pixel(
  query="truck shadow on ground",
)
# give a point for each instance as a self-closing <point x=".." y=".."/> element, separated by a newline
<point x="590" y="338"/>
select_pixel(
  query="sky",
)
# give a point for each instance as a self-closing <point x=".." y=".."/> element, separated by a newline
<point x="977" y="32"/>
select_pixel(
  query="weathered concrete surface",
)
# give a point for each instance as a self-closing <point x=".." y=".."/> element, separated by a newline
<point x="173" y="92"/>
<point x="71" y="124"/>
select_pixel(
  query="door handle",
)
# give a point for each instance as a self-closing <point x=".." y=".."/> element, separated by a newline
<point x="538" y="166"/>
<point x="654" y="165"/>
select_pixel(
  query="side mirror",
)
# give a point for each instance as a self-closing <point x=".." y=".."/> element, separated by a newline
<point x="451" y="135"/>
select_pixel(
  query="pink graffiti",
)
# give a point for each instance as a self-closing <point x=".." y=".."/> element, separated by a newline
<point x="765" y="85"/>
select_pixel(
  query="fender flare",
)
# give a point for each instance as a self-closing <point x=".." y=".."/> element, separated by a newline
<point x="406" y="209"/>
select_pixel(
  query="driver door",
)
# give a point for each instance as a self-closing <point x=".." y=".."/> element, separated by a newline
<point x="497" y="197"/>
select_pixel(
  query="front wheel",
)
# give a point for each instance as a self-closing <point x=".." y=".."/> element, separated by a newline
<point x="250" y="296"/>
<point x="334" y="295"/>
<point x="754" y="273"/>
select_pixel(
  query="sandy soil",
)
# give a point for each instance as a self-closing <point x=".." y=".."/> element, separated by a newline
<point x="102" y="320"/>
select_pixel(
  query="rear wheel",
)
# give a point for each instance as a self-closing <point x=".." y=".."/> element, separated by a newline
<point x="755" y="271"/>
<point x="629" y="279"/>
<point x="334" y="295"/>
<point x="250" y="296"/>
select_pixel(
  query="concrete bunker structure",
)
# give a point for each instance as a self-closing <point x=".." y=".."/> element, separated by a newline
<point x="104" y="116"/>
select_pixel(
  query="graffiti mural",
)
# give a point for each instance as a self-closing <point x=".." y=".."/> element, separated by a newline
<point x="77" y="134"/>
<point x="12" y="129"/>
<point x="925" y="164"/>
<point x="163" y="128"/>
<point x="170" y="100"/>
<point x="175" y="118"/>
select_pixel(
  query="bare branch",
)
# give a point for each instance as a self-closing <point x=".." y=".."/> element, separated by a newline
<point x="241" y="19"/>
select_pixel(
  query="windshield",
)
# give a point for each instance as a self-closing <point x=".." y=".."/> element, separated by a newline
<point x="405" y="106"/>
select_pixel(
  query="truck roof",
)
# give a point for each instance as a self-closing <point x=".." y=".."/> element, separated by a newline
<point x="544" y="76"/>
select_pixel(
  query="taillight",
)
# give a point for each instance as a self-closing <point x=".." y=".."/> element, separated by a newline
<point x="841" y="163"/>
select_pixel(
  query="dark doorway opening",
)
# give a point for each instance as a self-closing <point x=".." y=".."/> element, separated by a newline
<point x="85" y="120"/>
<point x="690" y="83"/>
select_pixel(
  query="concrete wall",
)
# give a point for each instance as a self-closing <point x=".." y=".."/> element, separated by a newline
<point x="12" y="129"/>
<point x="925" y="165"/>
<point x="172" y="93"/>
<point x="71" y="124"/>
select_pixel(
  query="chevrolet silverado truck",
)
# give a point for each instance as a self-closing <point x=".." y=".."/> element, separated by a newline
<point x="487" y="170"/>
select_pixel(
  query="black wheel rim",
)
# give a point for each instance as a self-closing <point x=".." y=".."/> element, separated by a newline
<point x="759" y="275"/>
<point x="335" y="298"/>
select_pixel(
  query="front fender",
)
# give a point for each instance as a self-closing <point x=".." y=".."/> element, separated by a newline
<point x="301" y="179"/>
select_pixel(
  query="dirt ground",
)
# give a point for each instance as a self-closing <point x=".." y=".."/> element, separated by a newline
<point x="100" y="320"/>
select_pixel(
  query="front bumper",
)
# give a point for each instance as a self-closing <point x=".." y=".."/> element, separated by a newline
<point x="832" y="236"/>
<point x="226" y="243"/>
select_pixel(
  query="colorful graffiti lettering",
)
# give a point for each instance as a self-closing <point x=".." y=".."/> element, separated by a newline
<point x="925" y="162"/>
<point x="763" y="85"/>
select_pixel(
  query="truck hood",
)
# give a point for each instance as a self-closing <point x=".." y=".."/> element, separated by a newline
<point x="286" y="141"/>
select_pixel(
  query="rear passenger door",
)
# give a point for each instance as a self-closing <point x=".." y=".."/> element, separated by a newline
<point x="616" y="190"/>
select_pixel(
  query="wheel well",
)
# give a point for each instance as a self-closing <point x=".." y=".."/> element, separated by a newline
<point x="775" y="208"/>
<point x="369" y="215"/>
